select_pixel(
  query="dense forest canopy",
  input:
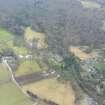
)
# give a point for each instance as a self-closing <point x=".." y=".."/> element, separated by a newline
<point x="67" y="21"/>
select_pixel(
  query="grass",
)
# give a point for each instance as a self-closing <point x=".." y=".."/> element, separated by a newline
<point x="21" y="50"/>
<point x="6" y="41"/>
<point x="4" y="74"/>
<point x="5" y="35"/>
<point x="90" y="4"/>
<point x="27" y="67"/>
<point x="51" y="89"/>
<point x="99" y="65"/>
<point x="11" y="95"/>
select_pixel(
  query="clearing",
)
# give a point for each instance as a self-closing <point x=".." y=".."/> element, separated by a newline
<point x="19" y="50"/>
<point x="31" y="36"/>
<point x="82" y="55"/>
<point x="6" y="41"/>
<point x="28" y="67"/>
<point x="51" y="89"/>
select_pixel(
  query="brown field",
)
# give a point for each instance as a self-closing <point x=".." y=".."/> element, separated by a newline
<point x="51" y="89"/>
<point x="30" y="35"/>
<point x="80" y="54"/>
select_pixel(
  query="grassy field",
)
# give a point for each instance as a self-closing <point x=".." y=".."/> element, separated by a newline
<point x="18" y="50"/>
<point x="6" y="41"/>
<point x="28" y="66"/>
<point x="5" y="35"/>
<point x="21" y="50"/>
<point x="9" y="93"/>
<point x="90" y="4"/>
<point x="99" y="65"/>
<point x="51" y="89"/>
<point x="4" y="74"/>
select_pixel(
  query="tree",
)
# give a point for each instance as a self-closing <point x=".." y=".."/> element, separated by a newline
<point x="8" y="52"/>
<point x="68" y="67"/>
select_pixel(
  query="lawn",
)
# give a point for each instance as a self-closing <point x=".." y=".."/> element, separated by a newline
<point x="51" y="89"/>
<point x="90" y="4"/>
<point x="4" y="74"/>
<point x="11" y="95"/>
<point x="28" y="67"/>
<point x="5" y="35"/>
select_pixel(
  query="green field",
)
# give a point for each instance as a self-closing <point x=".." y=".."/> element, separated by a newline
<point x="5" y="35"/>
<point x="90" y="4"/>
<point x="99" y="65"/>
<point x="6" y="41"/>
<point x="4" y="74"/>
<point x="21" y="50"/>
<point x="9" y="93"/>
<point x="29" y="66"/>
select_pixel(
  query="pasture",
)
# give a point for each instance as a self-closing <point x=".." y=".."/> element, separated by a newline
<point x="10" y="94"/>
<point x="51" y="89"/>
<point x="4" y="74"/>
<point x="28" y="67"/>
